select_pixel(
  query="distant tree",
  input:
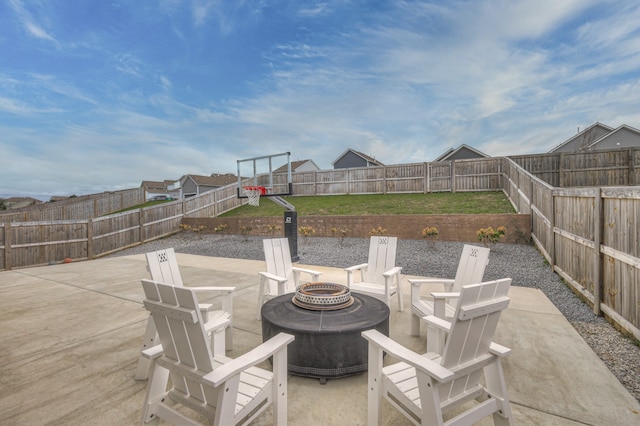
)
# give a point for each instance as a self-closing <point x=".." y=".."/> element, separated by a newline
<point x="3" y="206"/>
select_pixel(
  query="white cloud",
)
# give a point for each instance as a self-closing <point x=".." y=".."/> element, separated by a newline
<point x="29" y="23"/>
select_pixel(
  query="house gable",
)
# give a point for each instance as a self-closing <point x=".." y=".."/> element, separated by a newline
<point x="463" y="152"/>
<point x="299" y="166"/>
<point x="622" y="137"/>
<point x="584" y="138"/>
<point x="198" y="184"/>
<point x="352" y="158"/>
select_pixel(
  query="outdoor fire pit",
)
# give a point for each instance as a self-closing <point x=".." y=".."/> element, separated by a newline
<point x="322" y="296"/>
<point x="327" y="321"/>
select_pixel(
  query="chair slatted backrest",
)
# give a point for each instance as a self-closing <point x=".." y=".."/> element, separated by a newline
<point x="382" y="257"/>
<point x="472" y="330"/>
<point x="278" y="259"/>
<point x="184" y="344"/>
<point x="473" y="262"/>
<point x="163" y="267"/>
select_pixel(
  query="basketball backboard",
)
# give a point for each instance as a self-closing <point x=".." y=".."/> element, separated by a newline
<point x="270" y="173"/>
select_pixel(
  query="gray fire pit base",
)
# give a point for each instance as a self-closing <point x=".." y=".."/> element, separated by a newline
<point x="328" y="344"/>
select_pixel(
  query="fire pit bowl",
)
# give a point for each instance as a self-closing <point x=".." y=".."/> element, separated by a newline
<point x="319" y="296"/>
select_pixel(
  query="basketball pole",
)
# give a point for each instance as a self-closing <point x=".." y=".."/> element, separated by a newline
<point x="290" y="225"/>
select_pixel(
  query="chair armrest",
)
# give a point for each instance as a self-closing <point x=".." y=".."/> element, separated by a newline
<point x="253" y="357"/>
<point x="440" y="300"/>
<point x="443" y="295"/>
<point x="297" y="271"/>
<point x="393" y="271"/>
<point x="356" y="267"/>
<point x="499" y="350"/>
<point x="417" y="282"/>
<point x="433" y="369"/>
<point x="218" y="289"/>
<point x="351" y="269"/>
<point x="153" y="352"/>
<point x="273" y="277"/>
<point x="438" y="323"/>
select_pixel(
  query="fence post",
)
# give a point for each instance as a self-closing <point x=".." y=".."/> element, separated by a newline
<point x="7" y="245"/>
<point x="632" y="167"/>
<point x="552" y="226"/>
<point x="90" y="251"/>
<point x="452" y="175"/>
<point x="141" y="225"/>
<point x="598" y="219"/>
<point x="427" y="169"/>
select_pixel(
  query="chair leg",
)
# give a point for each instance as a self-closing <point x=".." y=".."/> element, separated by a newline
<point x="150" y="337"/>
<point x="227" y="306"/>
<point x="156" y="389"/>
<point x="415" y="325"/>
<point x="400" y="301"/>
<point x="218" y="341"/>
<point x="497" y="387"/>
<point x="263" y="283"/>
<point x="374" y="379"/>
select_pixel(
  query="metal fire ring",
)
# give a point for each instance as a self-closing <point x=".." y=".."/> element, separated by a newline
<point x="322" y="296"/>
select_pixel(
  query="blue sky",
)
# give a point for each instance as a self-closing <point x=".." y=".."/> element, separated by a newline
<point x="98" y="96"/>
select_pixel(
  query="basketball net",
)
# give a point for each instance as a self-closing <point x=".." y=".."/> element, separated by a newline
<point x="253" y="194"/>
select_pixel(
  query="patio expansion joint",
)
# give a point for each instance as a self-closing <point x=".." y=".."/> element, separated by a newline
<point x="549" y="413"/>
<point x="79" y="287"/>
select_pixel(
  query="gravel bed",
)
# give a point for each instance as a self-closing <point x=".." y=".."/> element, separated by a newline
<point x="523" y="263"/>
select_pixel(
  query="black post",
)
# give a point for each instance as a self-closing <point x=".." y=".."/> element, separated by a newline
<point x="291" y="232"/>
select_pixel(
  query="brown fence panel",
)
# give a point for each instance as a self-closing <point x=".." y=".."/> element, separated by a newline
<point x="332" y="182"/>
<point x="576" y="221"/>
<point x="440" y="176"/>
<point x="594" y="168"/>
<point x="203" y="205"/>
<point x="41" y="243"/>
<point x="543" y="166"/>
<point x="115" y="232"/>
<point x="365" y="180"/>
<point x="405" y="178"/>
<point x="304" y="183"/>
<point x="161" y="220"/>
<point x="542" y="216"/>
<point x="477" y="175"/>
<point x="621" y="252"/>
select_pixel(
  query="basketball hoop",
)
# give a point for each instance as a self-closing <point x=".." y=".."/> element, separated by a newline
<point x="253" y="193"/>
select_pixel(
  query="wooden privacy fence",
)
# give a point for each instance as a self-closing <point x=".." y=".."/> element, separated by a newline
<point x="590" y="236"/>
<point x="77" y="208"/>
<point x="25" y="244"/>
<point x="464" y="175"/>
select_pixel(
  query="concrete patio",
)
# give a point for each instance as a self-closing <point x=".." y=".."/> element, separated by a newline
<point x="71" y="336"/>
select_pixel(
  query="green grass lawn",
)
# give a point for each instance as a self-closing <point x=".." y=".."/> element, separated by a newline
<point x="348" y="205"/>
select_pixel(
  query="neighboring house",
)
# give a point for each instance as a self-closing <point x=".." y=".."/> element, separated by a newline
<point x="20" y="202"/>
<point x="622" y="137"/>
<point x="155" y="189"/>
<point x="55" y="198"/>
<point x="583" y="139"/>
<point x="463" y="152"/>
<point x="299" y="166"/>
<point x="191" y="185"/>
<point x="352" y="158"/>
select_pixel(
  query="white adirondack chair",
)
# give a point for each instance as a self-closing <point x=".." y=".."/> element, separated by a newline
<point x="222" y="390"/>
<point x="379" y="277"/>
<point x="425" y="387"/>
<point x="281" y="276"/>
<point x="473" y="262"/>
<point x="163" y="267"/>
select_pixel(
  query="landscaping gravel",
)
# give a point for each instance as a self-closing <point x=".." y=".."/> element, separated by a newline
<point x="523" y="263"/>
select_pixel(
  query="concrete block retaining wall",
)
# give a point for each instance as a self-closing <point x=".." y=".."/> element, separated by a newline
<point x="455" y="227"/>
